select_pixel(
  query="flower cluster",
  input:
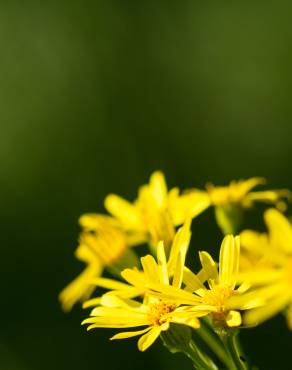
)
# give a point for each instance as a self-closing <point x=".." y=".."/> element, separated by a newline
<point x="158" y="294"/>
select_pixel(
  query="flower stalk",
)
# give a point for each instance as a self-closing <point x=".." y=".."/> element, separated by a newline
<point x="231" y="343"/>
<point x="179" y="339"/>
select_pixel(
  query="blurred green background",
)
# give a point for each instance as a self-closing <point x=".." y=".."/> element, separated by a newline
<point x="94" y="96"/>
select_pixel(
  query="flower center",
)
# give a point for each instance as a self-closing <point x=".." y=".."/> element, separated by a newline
<point x="217" y="297"/>
<point x="159" y="312"/>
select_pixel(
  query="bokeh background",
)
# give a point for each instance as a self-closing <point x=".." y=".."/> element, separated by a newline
<point x="94" y="96"/>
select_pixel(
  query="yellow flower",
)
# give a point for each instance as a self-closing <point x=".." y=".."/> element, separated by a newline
<point x="105" y="240"/>
<point x="136" y="287"/>
<point x="236" y="193"/>
<point x="103" y="243"/>
<point x="222" y="285"/>
<point x="155" y="315"/>
<point x="153" y="214"/>
<point x="272" y="281"/>
<point x="154" y="312"/>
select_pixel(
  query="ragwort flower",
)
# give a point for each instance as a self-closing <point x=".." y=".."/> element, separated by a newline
<point x="222" y="285"/>
<point x="103" y="244"/>
<point x="228" y="201"/>
<point x="154" y="214"/>
<point x="154" y="312"/>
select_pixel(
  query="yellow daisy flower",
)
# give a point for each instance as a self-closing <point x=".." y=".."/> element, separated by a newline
<point x="103" y="244"/>
<point x="228" y="200"/>
<point x="272" y="281"/>
<point x="179" y="246"/>
<point x="153" y="214"/>
<point x="222" y="285"/>
<point x="155" y="313"/>
<point x="240" y="192"/>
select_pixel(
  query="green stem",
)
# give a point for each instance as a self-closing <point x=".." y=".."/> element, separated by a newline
<point x="213" y="342"/>
<point x="200" y="360"/>
<point x="231" y="344"/>
<point x="178" y="338"/>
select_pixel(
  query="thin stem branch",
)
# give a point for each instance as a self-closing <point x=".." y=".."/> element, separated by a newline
<point x="231" y="345"/>
<point x="200" y="360"/>
<point x="214" y="343"/>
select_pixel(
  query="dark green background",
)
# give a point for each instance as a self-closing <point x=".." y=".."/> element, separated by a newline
<point x="94" y="95"/>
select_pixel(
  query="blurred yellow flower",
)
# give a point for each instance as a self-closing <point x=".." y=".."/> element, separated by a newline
<point x="271" y="281"/>
<point x="105" y="240"/>
<point x="155" y="312"/>
<point x="103" y="243"/>
<point x="238" y="192"/>
<point x="154" y="214"/>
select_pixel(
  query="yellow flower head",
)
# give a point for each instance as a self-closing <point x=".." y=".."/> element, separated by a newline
<point x="139" y="280"/>
<point x="222" y="282"/>
<point x="222" y="285"/>
<point x="272" y="280"/>
<point x="152" y="214"/>
<point x="236" y="193"/>
<point x="154" y="312"/>
<point x="102" y="244"/>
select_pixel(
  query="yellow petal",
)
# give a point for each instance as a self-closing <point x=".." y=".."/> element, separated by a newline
<point x="233" y="319"/>
<point x="161" y="258"/>
<point x="172" y="293"/>
<point x="92" y="302"/>
<point x="135" y="278"/>
<point x="280" y="229"/>
<point x="112" y="313"/>
<point x="193" y="322"/>
<point x="114" y="325"/>
<point x="94" y="221"/>
<point x="158" y="188"/>
<point x="129" y="334"/>
<point x="254" y="242"/>
<point x="260" y="276"/>
<point x="191" y="281"/>
<point x="229" y="260"/>
<point x="114" y="318"/>
<point x="247" y="185"/>
<point x="178" y="273"/>
<point x="258" y="315"/>
<point x="136" y="238"/>
<point x="80" y="288"/>
<point x="269" y="196"/>
<point x="130" y="292"/>
<point x="111" y="300"/>
<point x="109" y="283"/>
<point x="180" y="245"/>
<point x="209" y="266"/>
<point x="255" y="298"/>
<point x="149" y="338"/>
<point x="150" y="268"/>
<point x="124" y="211"/>
<point x="188" y="205"/>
